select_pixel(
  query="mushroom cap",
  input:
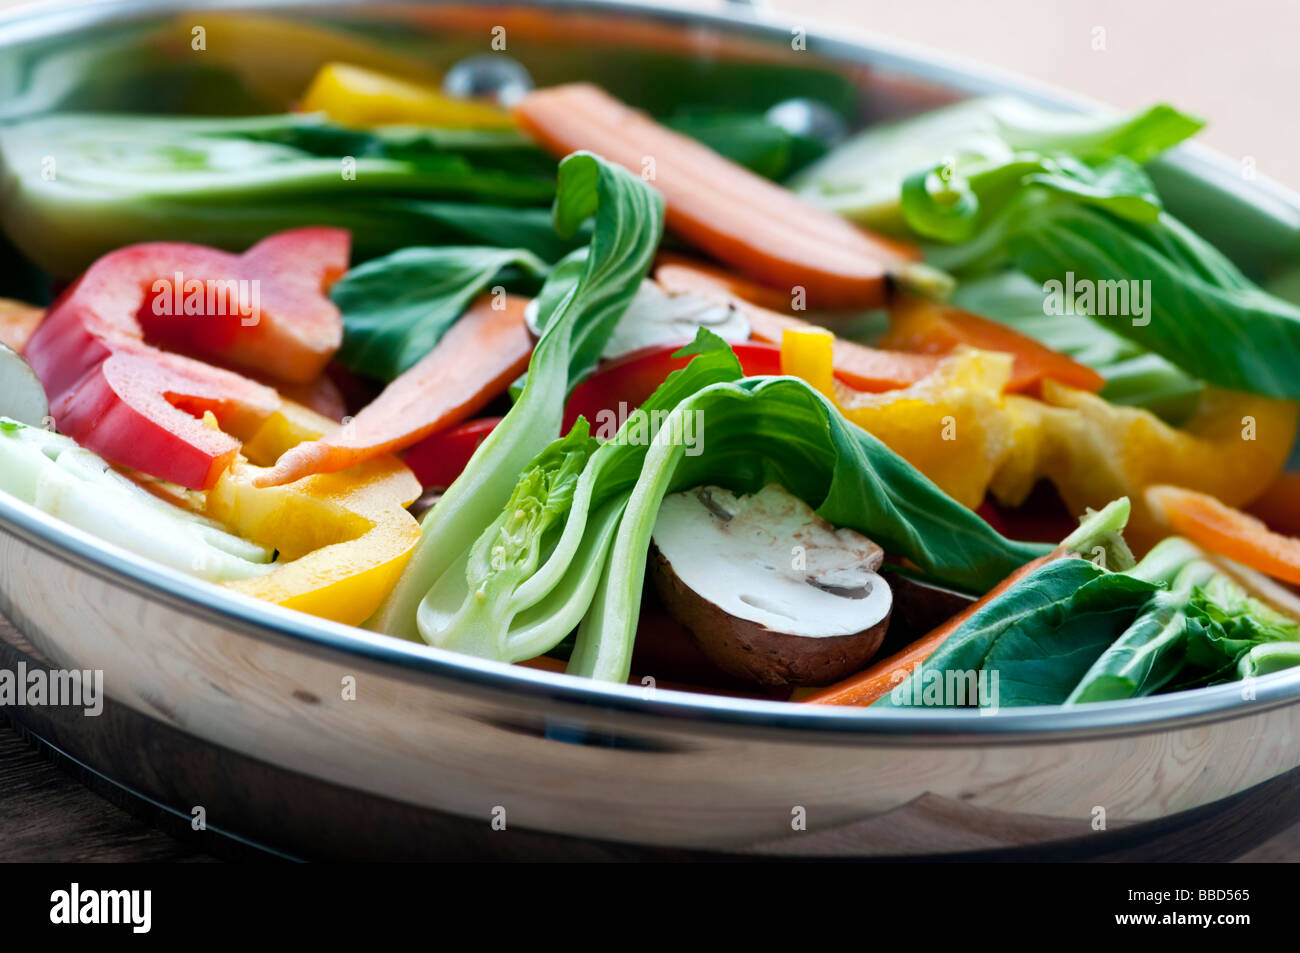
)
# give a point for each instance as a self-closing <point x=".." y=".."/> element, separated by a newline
<point x="769" y="590"/>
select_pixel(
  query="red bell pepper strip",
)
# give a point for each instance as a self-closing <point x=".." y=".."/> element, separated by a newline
<point x="439" y="458"/>
<point x="474" y="362"/>
<point x="288" y="329"/>
<point x="139" y="406"/>
<point x="633" y="377"/>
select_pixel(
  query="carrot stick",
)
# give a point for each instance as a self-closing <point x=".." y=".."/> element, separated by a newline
<point x="858" y="366"/>
<point x="17" y="322"/>
<point x="929" y="327"/>
<point x="474" y="362"/>
<point x="1228" y="532"/>
<point x="880" y="679"/>
<point x="1279" y="505"/>
<point x="738" y="217"/>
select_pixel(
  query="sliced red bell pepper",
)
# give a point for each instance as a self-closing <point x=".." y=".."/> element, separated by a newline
<point x="439" y="458"/>
<point x="292" y="329"/>
<point x="630" y="379"/>
<point x="142" y="407"/>
<point x="137" y="405"/>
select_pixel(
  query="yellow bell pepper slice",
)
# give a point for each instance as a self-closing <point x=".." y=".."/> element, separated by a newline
<point x="952" y="425"/>
<point x="344" y="537"/>
<point x="959" y="429"/>
<point x="360" y="97"/>
<point x="1232" y="447"/>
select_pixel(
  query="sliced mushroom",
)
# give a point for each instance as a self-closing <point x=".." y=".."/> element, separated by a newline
<point x="22" y="397"/>
<point x="656" y="316"/>
<point x="770" y="591"/>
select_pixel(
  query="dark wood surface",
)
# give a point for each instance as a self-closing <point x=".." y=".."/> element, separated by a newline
<point x="47" y="814"/>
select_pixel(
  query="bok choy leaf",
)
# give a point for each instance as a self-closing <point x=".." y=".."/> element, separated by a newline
<point x="78" y="186"/>
<point x="997" y="140"/>
<point x="1203" y="314"/>
<point x="1134" y="376"/>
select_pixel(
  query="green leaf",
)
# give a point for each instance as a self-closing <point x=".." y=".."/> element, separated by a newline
<point x="863" y="178"/>
<point x="1041" y="661"/>
<point x="228" y="182"/>
<point x="745" y="434"/>
<point x="951" y="203"/>
<point x="1037" y="637"/>
<point x="1200" y="313"/>
<point x="1134" y="377"/>
<point x="1193" y="633"/>
<point x="1151" y="651"/>
<point x="396" y="308"/>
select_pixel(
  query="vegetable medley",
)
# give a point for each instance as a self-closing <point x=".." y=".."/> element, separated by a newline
<point x="949" y="412"/>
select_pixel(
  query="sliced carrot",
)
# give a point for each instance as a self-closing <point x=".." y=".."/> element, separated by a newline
<point x="17" y="322"/>
<point x="474" y="362"/>
<point x="880" y="679"/>
<point x="1226" y="531"/>
<point x="1279" y="505"/>
<point x="740" y="218"/>
<point x="856" y="365"/>
<point x="930" y="327"/>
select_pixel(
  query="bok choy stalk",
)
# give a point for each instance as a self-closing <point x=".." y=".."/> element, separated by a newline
<point x="502" y="604"/>
<point x="975" y="150"/>
<point x="49" y="471"/>
<point x="78" y="186"/>
<point x="580" y="303"/>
